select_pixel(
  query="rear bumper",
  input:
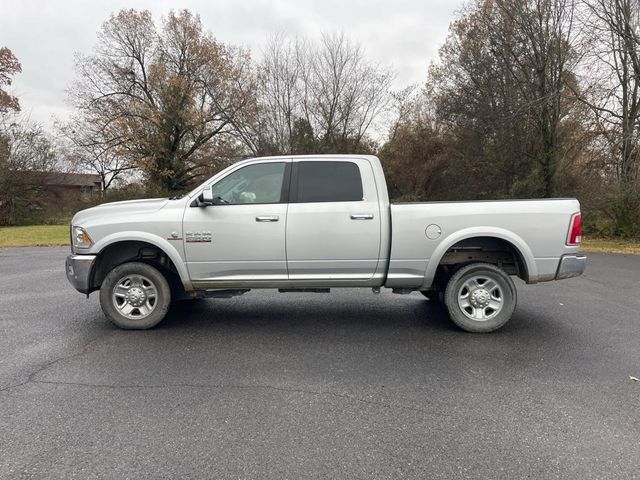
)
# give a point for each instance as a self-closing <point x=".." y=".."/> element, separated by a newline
<point x="571" y="266"/>
<point x="78" y="268"/>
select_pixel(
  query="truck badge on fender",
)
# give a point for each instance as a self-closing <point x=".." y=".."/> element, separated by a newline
<point x="198" y="237"/>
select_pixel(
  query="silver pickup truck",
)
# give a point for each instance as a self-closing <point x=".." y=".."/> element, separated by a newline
<point x="311" y="223"/>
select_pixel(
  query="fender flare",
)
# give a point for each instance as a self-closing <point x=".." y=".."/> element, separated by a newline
<point x="161" y="243"/>
<point x="518" y="243"/>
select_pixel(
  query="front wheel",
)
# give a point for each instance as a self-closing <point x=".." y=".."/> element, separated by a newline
<point x="135" y="296"/>
<point x="480" y="298"/>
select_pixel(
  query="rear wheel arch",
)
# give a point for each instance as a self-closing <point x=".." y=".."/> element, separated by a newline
<point x="487" y="249"/>
<point x="493" y="248"/>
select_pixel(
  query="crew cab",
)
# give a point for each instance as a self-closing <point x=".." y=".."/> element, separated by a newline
<point x="312" y="223"/>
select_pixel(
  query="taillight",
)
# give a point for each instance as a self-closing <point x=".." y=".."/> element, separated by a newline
<point x="575" y="230"/>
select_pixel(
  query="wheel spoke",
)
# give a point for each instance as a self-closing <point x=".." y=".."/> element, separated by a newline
<point x="126" y="308"/>
<point x="490" y="285"/>
<point x="120" y="291"/>
<point x="495" y="303"/>
<point x="471" y="284"/>
<point x="478" y="313"/>
<point x="150" y="291"/>
<point x="463" y="298"/>
<point x="144" y="310"/>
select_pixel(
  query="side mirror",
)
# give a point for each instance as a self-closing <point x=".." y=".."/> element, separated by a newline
<point x="206" y="197"/>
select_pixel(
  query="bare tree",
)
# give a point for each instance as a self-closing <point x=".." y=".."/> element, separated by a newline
<point x="614" y="74"/>
<point x="501" y="86"/>
<point x="270" y="129"/>
<point x="27" y="158"/>
<point x="541" y="48"/>
<point x="89" y="145"/>
<point x="162" y="95"/>
<point x="317" y="97"/>
<point x="403" y="105"/>
<point x="346" y="93"/>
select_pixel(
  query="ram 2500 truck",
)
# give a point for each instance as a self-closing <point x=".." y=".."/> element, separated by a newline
<point x="312" y="223"/>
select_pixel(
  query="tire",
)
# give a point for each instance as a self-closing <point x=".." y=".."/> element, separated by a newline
<point x="135" y="296"/>
<point x="480" y="298"/>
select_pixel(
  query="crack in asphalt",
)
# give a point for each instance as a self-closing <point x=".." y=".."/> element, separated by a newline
<point x="85" y="349"/>
<point x="31" y="377"/>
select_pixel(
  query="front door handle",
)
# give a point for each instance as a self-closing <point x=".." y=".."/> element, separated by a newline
<point x="362" y="216"/>
<point x="268" y="218"/>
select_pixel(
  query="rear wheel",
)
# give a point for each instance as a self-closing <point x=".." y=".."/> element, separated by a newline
<point x="480" y="298"/>
<point x="135" y="296"/>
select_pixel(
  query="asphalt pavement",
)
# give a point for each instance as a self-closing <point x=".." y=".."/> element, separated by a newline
<point x="347" y="385"/>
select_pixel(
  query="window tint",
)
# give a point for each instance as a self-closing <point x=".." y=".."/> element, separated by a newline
<point x="328" y="182"/>
<point x="259" y="183"/>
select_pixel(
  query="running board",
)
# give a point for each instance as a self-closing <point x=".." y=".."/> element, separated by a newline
<point x="304" y="290"/>
<point x="224" y="293"/>
<point x="402" y="291"/>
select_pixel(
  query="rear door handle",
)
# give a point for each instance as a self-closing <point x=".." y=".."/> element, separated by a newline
<point x="362" y="216"/>
<point x="268" y="218"/>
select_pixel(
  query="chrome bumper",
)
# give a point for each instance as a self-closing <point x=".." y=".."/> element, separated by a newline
<point x="571" y="266"/>
<point x="78" y="268"/>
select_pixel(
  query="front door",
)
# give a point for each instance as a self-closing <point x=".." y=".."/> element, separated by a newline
<point x="242" y="237"/>
<point x="333" y="222"/>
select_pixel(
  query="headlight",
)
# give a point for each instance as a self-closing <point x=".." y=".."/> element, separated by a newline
<point x="81" y="238"/>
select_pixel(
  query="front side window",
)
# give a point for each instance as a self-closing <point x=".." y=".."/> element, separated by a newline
<point x="328" y="182"/>
<point x="259" y="183"/>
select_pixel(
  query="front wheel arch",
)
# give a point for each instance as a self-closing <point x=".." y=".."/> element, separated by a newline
<point x="125" y="251"/>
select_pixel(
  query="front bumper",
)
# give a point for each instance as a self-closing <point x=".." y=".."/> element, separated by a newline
<point x="571" y="266"/>
<point x="79" y="268"/>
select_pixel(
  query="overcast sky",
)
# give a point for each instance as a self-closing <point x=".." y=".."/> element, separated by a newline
<point x="44" y="34"/>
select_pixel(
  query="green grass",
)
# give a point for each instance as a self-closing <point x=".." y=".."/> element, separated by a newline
<point x="611" y="245"/>
<point x="34" y="236"/>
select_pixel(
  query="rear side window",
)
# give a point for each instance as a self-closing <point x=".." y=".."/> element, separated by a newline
<point x="328" y="182"/>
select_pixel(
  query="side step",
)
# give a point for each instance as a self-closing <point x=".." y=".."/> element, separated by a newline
<point x="304" y="290"/>
<point x="402" y="291"/>
<point x="224" y="293"/>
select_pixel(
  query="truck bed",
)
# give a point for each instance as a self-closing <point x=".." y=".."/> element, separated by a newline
<point x="537" y="229"/>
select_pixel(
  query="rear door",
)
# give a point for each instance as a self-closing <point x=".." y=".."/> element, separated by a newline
<point x="333" y="220"/>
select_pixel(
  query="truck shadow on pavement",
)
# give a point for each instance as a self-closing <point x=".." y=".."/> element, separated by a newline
<point x="215" y="313"/>
<point x="321" y="313"/>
